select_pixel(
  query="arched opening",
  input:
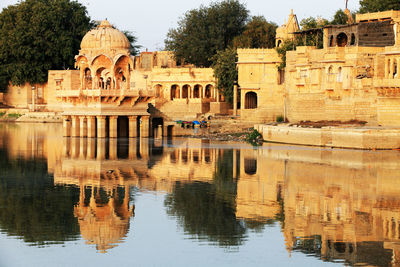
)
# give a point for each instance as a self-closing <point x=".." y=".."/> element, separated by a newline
<point x="88" y="79"/>
<point x="331" y="41"/>
<point x="279" y="43"/>
<point x="353" y="39"/>
<point x="122" y="72"/>
<point x="158" y="90"/>
<point x="197" y="91"/>
<point x="108" y="83"/>
<point x="250" y="166"/>
<point x="395" y="68"/>
<point x="120" y="78"/>
<point x="340" y="247"/>
<point x="174" y="91"/>
<point x="208" y="91"/>
<point x="250" y="100"/>
<point x="100" y="79"/>
<point x="341" y="39"/>
<point x="339" y="75"/>
<point x="330" y="74"/>
<point x="185" y="91"/>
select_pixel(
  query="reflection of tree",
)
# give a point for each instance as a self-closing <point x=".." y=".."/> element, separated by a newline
<point x="208" y="210"/>
<point x="31" y="206"/>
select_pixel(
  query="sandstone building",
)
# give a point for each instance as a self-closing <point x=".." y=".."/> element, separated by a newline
<point x="112" y="93"/>
<point x="353" y="77"/>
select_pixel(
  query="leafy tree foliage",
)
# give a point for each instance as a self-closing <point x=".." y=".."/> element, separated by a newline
<point x="259" y="33"/>
<point x="134" y="48"/>
<point x="340" y="18"/>
<point x="312" y="23"/>
<point x="39" y="35"/>
<point x="225" y="71"/>
<point x="204" y="31"/>
<point x="378" y="5"/>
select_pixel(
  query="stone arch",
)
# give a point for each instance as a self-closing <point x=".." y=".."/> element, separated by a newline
<point x="208" y="92"/>
<point x="175" y="93"/>
<point x="185" y="91"/>
<point x="81" y="61"/>
<point x="197" y="91"/>
<point x="279" y="44"/>
<point x="341" y="39"/>
<point x="102" y="59"/>
<point x="122" y="72"/>
<point x="250" y="100"/>
<point x="159" y="90"/>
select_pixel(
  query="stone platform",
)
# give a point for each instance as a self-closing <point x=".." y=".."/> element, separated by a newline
<point x="337" y="137"/>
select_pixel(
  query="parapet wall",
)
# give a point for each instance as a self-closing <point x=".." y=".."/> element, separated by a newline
<point x="365" y="138"/>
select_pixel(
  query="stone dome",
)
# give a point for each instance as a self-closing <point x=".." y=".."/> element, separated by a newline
<point x="105" y="36"/>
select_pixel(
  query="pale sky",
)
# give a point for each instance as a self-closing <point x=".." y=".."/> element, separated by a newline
<point x="151" y="19"/>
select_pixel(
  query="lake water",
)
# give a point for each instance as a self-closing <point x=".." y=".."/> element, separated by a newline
<point x="192" y="202"/>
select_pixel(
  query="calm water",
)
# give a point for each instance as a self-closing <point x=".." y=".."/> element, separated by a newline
<point x="180" y="202"/>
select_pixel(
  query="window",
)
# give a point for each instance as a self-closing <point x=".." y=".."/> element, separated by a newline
<point x="250" y="100"/>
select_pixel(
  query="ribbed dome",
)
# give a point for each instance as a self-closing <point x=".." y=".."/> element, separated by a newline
<point x="105" y="37"/>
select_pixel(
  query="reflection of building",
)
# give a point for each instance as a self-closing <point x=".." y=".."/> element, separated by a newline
<point x="104" y="216"/>
<point x="335" y="204"/>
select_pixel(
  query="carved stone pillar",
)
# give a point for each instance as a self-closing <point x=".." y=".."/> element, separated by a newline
<point x="145" y="126"/>
<point x="113" y="126"/>
<point x="132" y="126"/>
<point x="101" y="127"/>
<point x="82" y="126"/>
<point x="91" y="126"/>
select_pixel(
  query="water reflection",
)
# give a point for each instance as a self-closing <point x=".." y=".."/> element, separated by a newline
<point x="336" y="205"/>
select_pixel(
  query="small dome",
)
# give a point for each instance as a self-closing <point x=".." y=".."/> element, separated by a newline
<point x="105" y="36"/>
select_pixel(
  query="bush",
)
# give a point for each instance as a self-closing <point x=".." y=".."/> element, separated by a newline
<point x="2" y="114"/>
<point x="14" y="115"/>
<point x="280" y="118"/>
<point x="254" y="138"/>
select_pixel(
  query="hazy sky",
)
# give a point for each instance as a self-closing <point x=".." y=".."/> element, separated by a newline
<point x="151" y="19"/>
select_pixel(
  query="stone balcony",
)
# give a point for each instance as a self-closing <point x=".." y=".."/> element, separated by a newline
<point x="386" y="83"/>
<point x="105" y="93"/>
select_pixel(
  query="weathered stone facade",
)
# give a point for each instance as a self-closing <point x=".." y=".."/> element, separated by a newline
<point x="354" y="77"/>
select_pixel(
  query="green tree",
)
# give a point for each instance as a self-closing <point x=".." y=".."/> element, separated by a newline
<point x="225" y="71"/>
<point x="39" y="35"/>
<point x="367" y="6"/>
<point x="134" y="48"/>
<point x="259" y="33"/>
<point x="340" y="18"/>
<point x="204" y="31"/>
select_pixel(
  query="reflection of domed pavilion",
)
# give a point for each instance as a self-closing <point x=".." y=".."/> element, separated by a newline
<point x="103" y="216"/>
